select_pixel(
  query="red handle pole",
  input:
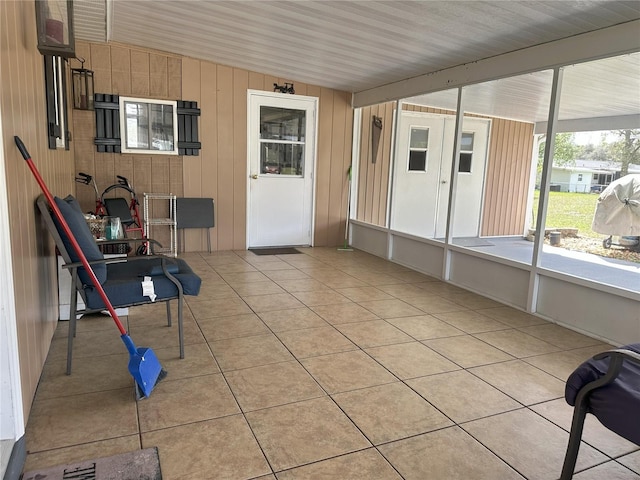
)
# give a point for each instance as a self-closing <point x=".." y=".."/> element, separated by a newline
<point x="70" y="236"/>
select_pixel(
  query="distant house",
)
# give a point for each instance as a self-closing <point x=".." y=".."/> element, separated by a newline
<point x="586" y="175"/>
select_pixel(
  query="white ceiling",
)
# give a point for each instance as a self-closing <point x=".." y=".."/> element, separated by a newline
<point x="610" y="86"/>
<point x="358" y="45"/>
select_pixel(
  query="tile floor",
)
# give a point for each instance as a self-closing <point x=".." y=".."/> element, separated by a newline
<point x="326" y="364"/>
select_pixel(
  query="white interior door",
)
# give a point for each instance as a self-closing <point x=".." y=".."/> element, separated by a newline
<point x="416" y="184"/>
<point x="281" y="146"/>
<point x="423" y="171"/>
<point x="471" y="174"/>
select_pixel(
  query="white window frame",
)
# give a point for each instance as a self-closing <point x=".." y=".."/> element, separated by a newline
<point x="123" y="125"/>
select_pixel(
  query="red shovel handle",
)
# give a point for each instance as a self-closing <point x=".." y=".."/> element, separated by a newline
<point x="70" y="236"/>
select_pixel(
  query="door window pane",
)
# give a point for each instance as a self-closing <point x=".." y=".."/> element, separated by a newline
<point x="418" y="146"/>
<point x="417" y="160"/>
<point x="465" y="163"/>
<point x="282" y="124"/>
<point x="282" y="158"/>
<point x="466" y="153"/>
<point x="419" y="138"/>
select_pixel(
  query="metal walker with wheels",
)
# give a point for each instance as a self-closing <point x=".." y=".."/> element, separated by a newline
<point x="128" y="212"/>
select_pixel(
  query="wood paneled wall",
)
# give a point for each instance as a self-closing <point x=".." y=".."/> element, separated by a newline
<point x="373" y="176"/>
<point x="123" y="70"/>
<point x="22" y="107"/>
<point x="507" y="177"/>
<point x="220" y="171"/>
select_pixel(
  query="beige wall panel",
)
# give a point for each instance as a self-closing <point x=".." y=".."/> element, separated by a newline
<point x="507" y="177"/>
<point x="158" y="78"/>
<point x="139" y="73"/>
<point x="505" y="185"/>
<point x="489" y="212"/>
<point x="176" y="183"/>
<point x="105" y="170"/>
<point x="521" y="175"/>
<point x="123" y="166"/>
<point x="83" y="50"/>
<point x="384" y="162"/>
<point x="84" y="152"/>
<point x="338" y="174"/>
<point x="34" y="273"/>
<point x="208" y="158"/>
<point x="101" y="66"/>
<point x="240" y="173"/>
<point x="192" y="167"/>
<point x="120" y="70"/>
<point x="371" y="168"/>
<point x="365" y="147"/>
<point x="191" y="86"/>
<point x="498" y="173"/>
<point x="323" y="167"/>
<point x="347" y="163"/>
<point x="220" y="169"/>
<point x="379" y="191"/>
<point x="256" y="81"/>
<point x="143" y="174"/>
<point x="301" y="89"/>
<point x="224" y="202"/>
<point x="174" y="73"/>
<point x="510" y="175"/>
<point x="160" y="174"/>
<point x="268" y="83"/>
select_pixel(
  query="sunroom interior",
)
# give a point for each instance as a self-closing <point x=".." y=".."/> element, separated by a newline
<point x="471" y="228"/>
<point x="511" y="74"/>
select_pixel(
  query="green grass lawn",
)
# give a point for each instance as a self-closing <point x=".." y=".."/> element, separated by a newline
<point x="570" y="210"/>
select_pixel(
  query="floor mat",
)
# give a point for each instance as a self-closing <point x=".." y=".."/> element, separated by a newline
<point x="138" y="465"/>
<point x="274" y="251"/>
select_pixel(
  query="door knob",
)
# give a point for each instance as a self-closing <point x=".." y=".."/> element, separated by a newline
<point x="254" y="176"/>
<point x="443" y="181"/>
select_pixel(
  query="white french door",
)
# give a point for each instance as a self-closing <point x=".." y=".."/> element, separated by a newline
<point x="422" y="173"/>
<point x="281" y="150"/>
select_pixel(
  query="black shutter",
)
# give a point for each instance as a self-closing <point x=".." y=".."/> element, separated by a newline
<point x="107" y="110"/>
<point x="188" y="113"/>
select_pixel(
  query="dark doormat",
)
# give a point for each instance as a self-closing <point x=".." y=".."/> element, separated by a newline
<point x="274" y="251"/>
<point x="138" y="465"/>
